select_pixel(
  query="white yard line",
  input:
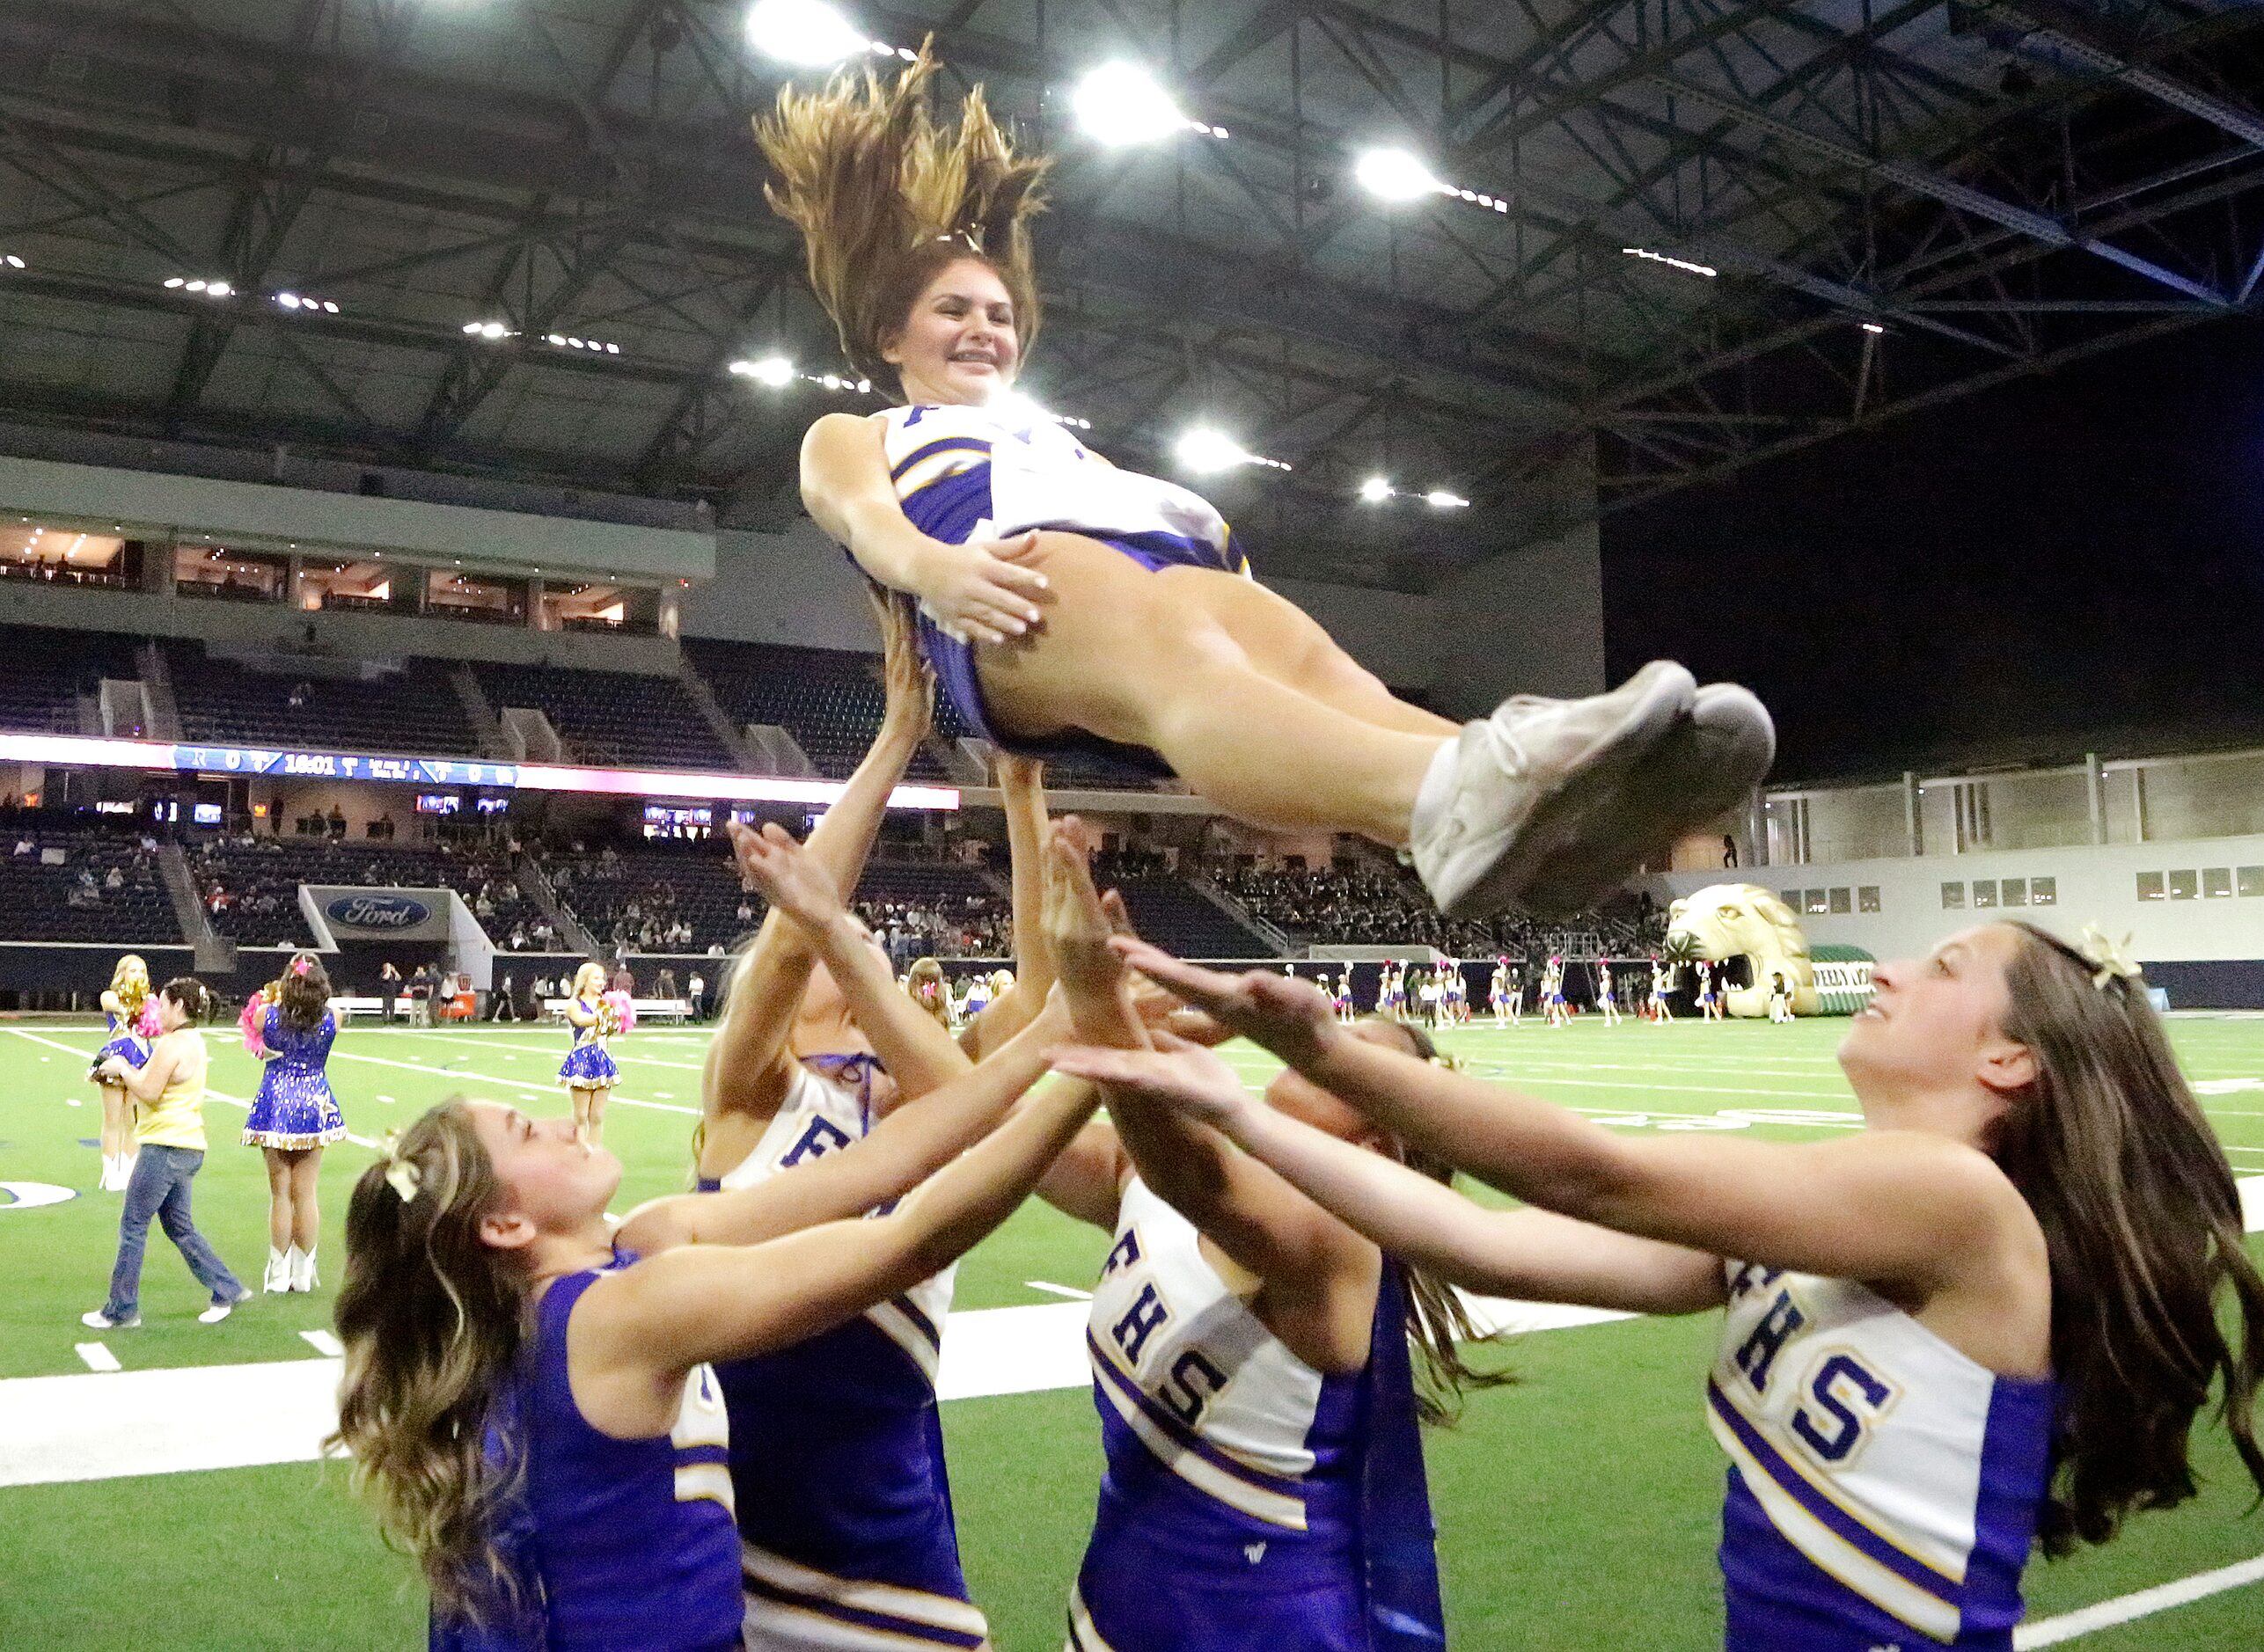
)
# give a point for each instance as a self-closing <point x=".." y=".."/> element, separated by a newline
<point x="97" y="1356"/>
<point x="2143" y="1603"/>
<point x="211" y="1093"/>
<point x="553" y="1088"/>
<point x="489" y="1041"/>
<point x="324" y="1343"/>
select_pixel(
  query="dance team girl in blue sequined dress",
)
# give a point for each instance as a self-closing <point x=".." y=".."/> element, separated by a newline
<point x="588" y="1070"/>
<point x="295" y="1115"/>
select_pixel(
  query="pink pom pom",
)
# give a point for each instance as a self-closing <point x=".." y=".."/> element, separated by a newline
<point x="620" y="1010"/>
<point x="254" y="1010"/>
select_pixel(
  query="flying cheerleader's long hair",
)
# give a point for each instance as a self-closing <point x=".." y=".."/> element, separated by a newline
<point x="886" y="198"/>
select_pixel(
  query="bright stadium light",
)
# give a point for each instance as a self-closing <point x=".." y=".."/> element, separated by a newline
<point x="773" y="370"/>
<point x="1872" y="327"/>
<point x="807" y="34"/>
<point x="1395" y="175"/>
<point x="1440" y="498"/>
<point x="12" y="261"/>
<point x="1685" y="265"/>
<point x="1206" y="452"/>
<point x="1376" y="489"/>
<point x="1119" y="104"/>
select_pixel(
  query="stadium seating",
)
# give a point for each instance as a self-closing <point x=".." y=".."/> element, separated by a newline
<point x="614" y="719"/>
<point x="830" y="701"/>
<point x="413" y="711"/>
<point x="43" y="672"/>
<point x="83" y="886"/>
<point x="631" y="900"/>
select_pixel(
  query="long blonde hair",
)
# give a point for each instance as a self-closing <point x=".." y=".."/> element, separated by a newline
<point x="593" y="973"/>
<point x="431" y="1317"/>
<point x="885" y="198"/>
<point x="130" y="982"/>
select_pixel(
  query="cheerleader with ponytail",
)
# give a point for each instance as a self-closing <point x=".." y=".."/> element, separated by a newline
<point x="1067" y="605"/>
<point x="130" y="1017"/>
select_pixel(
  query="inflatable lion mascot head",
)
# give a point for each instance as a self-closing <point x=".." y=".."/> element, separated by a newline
<point x="1732" y="920"/>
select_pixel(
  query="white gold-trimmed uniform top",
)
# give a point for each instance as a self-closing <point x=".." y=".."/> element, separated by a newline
<point x="1882" y="1481"/>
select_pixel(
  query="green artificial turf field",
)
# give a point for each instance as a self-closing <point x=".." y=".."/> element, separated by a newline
<point x="1577" y="1509"/>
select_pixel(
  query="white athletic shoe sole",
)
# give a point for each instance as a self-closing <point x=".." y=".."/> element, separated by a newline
<point x="1707" y="766"/>
<point x="1528" y="775"/>
<point x="220" y="1311"/>
<point x="98" y="1320"/>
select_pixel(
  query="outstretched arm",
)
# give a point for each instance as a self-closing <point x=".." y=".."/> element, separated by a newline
<point x="1529" y="1253"/>
<point x="748" y="1063"/>
<point x="1021" y="783"/>
<point x="1882" y="1205"/>
<point x="904" y="1147"/>
<point x="919" y="1054"/>
<point x="1250" y="1212"/>
<point x="980" y="591"/>
<point x="652" y="1322"/>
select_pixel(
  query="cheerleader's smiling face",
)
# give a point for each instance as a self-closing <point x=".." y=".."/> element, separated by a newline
<point x="957" y="345"/>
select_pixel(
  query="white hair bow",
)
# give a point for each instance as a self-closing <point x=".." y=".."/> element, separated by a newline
<point x="2110" y="960"/>
<point x="404" y="1176"/>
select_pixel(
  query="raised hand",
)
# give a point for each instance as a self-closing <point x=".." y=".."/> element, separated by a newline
<point x="1176" y="1072"/>
<point x="1077" y="927"/>
<point x="790" y="879"/>
<point x="1291" y="1017"/>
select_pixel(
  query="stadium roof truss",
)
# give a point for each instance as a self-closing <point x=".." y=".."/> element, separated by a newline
<point x="1725" y="231"/>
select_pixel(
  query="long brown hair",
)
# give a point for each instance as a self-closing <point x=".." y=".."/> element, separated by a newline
<point x="303" y="991"/>
<point x="430" y="1316"/>
<point x="2143" y="1221"/>
<point x="1438" y="1323"/>
<point x="886" y="197"/>
<point x="929" y="972"/>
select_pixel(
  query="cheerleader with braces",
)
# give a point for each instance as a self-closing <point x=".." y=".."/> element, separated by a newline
<point x="1979" y="1324"/>
<point x="1069" y="606"/>
<point x="129" y="1021"/>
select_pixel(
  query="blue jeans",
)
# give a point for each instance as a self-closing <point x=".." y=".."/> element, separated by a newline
<point x="160" y="1188"/>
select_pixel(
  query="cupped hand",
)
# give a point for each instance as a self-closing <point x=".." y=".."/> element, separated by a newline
<point x="1291" y="1017"/>
<point x="1176" y="1072"/>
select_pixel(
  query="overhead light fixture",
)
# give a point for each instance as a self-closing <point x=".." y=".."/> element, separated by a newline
<point x="1206" y="452"/>
<point x="297" y="301"/>
<point x="1119" y="104"/>
<point x="1376" y="489"/>
<point x="810" y="34"/>
<point x="773" y="370"/>
<point x="1672" y="262"/>
<point x="1395" y="174"/>
<point x="1440" y="498"/>
<point x="488" y="330"/>
<point x="1872" y="327"/>
<point x="12" y="260"/>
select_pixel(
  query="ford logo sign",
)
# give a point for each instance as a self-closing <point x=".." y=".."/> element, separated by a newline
<point x="377" y="911"/>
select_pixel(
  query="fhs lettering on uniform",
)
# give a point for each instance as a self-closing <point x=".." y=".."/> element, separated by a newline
<point x="821" y="1138"/>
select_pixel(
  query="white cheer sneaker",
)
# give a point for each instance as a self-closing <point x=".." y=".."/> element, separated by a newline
<point x="1521" y="789"/>
<point x="1707" y="765"/>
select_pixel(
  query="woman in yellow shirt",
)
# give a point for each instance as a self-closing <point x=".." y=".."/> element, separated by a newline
<point x="169" y="1131"/>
